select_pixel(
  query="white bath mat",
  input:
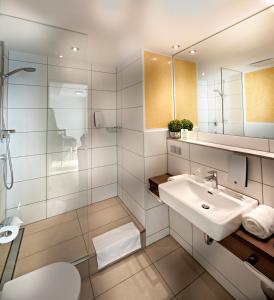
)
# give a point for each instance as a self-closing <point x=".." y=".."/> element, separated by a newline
<point x="116" y="244"/>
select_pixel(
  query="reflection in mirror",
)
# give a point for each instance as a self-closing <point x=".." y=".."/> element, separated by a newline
<point x="225" y="84"/>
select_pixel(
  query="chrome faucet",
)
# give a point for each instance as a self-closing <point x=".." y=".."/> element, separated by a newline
<point x="213" y="177"/>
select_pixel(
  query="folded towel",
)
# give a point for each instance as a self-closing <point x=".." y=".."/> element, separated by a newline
<point x="260" y="221"/>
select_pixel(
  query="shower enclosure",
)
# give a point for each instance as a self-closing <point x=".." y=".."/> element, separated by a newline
<point x="45" y="141"/>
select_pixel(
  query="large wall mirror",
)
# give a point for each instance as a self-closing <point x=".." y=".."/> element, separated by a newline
<point x="225" y="84"/>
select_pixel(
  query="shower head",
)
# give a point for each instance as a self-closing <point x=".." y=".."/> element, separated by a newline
<point x="27" y="69"/>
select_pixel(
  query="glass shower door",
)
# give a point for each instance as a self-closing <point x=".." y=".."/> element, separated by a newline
<point x="232" y="94"/>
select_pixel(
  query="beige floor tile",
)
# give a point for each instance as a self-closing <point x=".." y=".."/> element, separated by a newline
<point x="86" y="290"/>
<point x="113" y="275"/>
<point x="47" y="238"/>
<point x="101" y="218"/>
<point x="53" y="221"/>
<point x="67" y="251"/>
<point x="144" y="285"/>
<point x="178" y="269"/>
<point x="90" y="235"/>
<point x="95" y="207"/>
<point x="205" y="287"/>
<point x="161" y="248"/>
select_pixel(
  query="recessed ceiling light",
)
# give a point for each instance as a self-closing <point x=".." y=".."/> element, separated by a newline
<point x="176" y="46"/>
<point x="61" y="56"/>
<point x="75" y="49"/>
<point x="192" y="52"/>
<point x="203" y="74"/>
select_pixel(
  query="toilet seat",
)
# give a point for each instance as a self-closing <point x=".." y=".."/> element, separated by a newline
<point x="58" y="281"/>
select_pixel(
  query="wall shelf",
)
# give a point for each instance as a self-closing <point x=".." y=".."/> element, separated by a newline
<point x="259" y="153"/>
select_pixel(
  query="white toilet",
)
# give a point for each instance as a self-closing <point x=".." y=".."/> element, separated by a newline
<point x="58" y="281"/>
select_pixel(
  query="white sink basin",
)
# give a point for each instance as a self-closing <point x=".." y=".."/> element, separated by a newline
<point x="217" y="212"/>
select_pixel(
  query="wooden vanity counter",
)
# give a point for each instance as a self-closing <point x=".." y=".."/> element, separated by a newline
<point x="259" y="253"/>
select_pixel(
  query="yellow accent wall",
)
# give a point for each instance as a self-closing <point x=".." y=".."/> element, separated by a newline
<point x="186" y="90"/>
<point x="158" y="90"/>
<point x="259" y="93"/>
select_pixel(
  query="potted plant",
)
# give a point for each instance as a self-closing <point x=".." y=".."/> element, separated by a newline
<point x="187" y="125"/>
<point x="174" y="128"/>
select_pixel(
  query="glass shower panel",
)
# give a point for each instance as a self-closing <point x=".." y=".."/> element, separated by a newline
<point x="232" y="91"/>
<point x="51" y="148"/>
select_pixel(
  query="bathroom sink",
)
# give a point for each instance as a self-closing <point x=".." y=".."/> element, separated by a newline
<point x="217" y="212"/>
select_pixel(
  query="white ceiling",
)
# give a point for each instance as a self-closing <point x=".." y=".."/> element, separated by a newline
<point x="116" y="27"/>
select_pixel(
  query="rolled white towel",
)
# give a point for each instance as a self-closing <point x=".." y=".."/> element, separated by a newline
<point x="260" y="221"/>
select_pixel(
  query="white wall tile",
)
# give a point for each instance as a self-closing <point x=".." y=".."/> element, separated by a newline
<point x="182" y="226"/>
<point x="268" y="171"/>
<point x="104" y="175"/>
<point x="133" y="73"/>
<point x="155" y="142"/>
<point x="132" y="118"/>
<point x="62" y="97"/>
<point x="155" y="165"/>
<point x="135" y="209"/>
<point x="103" y="81"/>
<point x="69" y="183"/>
<point x="26" y="96"/>
<point x="210" y="157"/>
<point x="64" y="162"/>
<point x="69" y="63"/>
<point x="29" y="143"/>
<point x="39" y="77"/>
<point x="132" y="96"/>
<point x="157" y="236"/>
<point x="134" y="187"/>
<point x="29" y="213"/>
<point x="26" y="192"/>
<point x="177" y="166"/>
<point x="29" y="167"/>
<point x="268" y="192"/>
<point x="104" y="156"/>
<point x="68" y="139"/>
<point x="68" y="77"/>
<point x="133" y="164"/>
<point x="102" y="138"/>
<point x="61" y="118"/>
<point x="66" y="203"/>
<point x="104" y="192"/>
<point x="151" y="200"/>
<point x="103" y="99"/>
<point x="156" y="219"/>
<point x="133" y="141"/>
<point x="23" y="120"/>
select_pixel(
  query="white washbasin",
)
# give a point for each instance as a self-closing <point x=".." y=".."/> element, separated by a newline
<point x="217" y="212"/>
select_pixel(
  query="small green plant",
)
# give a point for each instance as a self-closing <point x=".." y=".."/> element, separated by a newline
<point x="175" y="126"/>
<point x="187" y="124"/>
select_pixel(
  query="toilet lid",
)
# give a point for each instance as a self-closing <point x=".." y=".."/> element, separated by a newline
<point x="58" y="281"/>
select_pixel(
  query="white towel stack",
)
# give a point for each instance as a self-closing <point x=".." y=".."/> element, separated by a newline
<point x="260" y="221"/>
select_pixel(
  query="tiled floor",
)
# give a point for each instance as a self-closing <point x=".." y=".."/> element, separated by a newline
<point x="67" y="237"/>
<point x="161" y="271"/>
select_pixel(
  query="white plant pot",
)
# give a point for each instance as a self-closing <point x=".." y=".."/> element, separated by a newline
<point x="175" y="135"/>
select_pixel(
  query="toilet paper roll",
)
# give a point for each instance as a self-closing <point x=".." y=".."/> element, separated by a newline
<point x="8" y="233"/>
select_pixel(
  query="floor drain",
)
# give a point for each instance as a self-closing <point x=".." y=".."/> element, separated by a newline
<point x="205" y="206"/>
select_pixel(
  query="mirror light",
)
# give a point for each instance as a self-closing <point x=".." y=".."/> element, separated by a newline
<point x="75" y="49"/>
